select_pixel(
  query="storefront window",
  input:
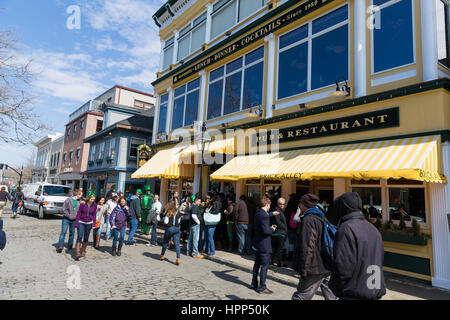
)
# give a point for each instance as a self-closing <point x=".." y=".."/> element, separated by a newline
<point x="371" y="201"/>
<point x="237" y="86"/>
<point x="327" y="39"/>
<point x="393" y="42"/>
<point x="408" y="203"/>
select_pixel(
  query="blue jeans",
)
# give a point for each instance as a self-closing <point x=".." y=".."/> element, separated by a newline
<point x="154" y="239"/>
<point x="108" y="227"/>
<point x="133" y="227"/>
<point x="202" y="238"/>
<point x="84" y="230"/>
<point x="175" y="233"/>
<point x="67" y="224"/>
<point x="116" y="233"/>
<point x="261" y="261"/>
<point x="192" y="245"/>
<point x="209" y="243"/>
<point x="243" y="235"/>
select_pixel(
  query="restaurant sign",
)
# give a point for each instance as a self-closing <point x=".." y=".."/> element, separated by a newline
<point x="144" y="154"/>
<point x="289" y="17"/>
<point x="382" y="119"/>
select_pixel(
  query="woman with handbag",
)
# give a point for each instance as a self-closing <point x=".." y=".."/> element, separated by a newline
<point x="211" y="218"/>
<point x="102" y="210"/>
<point x="172" y="220"/>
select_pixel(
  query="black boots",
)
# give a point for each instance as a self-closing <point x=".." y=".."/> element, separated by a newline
<point x="113" y="251"/>
<point x="119" y="253"/>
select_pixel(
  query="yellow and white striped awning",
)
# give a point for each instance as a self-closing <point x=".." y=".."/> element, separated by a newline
<point x="178" y="162"/>
<point x="165" y="164"/>
<point x="415" y="158"/>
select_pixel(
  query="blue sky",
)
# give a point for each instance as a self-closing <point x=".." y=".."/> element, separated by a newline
<point x="117" y="43"/>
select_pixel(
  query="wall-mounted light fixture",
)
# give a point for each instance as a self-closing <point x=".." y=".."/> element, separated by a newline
<point x="253" y="113"/>
<point x="341" y="91"/>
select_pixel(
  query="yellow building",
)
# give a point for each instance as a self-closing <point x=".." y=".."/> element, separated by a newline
<point x="357" y="92"/>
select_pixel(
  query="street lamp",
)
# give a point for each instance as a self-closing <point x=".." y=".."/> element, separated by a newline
<point x="5" y="166"/>
<point x="202" y="141"/>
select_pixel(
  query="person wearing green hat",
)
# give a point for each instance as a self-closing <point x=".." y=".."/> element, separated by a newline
<point x="146" y="205"/>
<point x="135" y="211"/>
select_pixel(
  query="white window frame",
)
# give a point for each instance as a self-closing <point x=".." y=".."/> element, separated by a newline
<point x="172" y="45"/>
<point x="372" y="43"/>
<point x="225" y="75"/>
<point x="309" y="39"/>
<point x="159" y="111"/>
<point x="185" y="94"/>
<point x="191" y="27"/>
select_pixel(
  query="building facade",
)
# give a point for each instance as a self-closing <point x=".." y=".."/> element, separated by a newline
<point x="355" y="96"/>
<point x="113" y="151"/>
<point x="55" y="160"/>
<point x="45" y="146"/>
<point x="88" y="120"/>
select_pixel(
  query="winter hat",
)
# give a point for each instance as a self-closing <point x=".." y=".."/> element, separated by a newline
<point x="309" y="200"/>
<point x="347" y="203"/>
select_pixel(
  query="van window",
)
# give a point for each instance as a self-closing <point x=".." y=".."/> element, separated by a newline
<point x="56" y="191"/>
<point x="39" y="190"/>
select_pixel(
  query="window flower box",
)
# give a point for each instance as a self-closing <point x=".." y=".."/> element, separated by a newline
<point x="109" y="159"/>
<point x="404" y="238"/>
<point x="99" y="161"/>
<point x="90" y="162"/>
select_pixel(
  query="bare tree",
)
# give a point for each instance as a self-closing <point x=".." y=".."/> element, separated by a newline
<point x="28" y="167"/>
<point x="18" y="122"/>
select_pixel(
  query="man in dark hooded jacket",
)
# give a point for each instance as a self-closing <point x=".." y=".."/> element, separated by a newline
<point x="356" y="272"/>
<point x="2" y="236"/>
<point x="308" y="261"/>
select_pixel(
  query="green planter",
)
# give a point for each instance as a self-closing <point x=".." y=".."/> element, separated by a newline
<point x="404" y="238"/>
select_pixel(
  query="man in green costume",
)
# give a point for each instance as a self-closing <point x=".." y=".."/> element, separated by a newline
<point x="146" y="205"/>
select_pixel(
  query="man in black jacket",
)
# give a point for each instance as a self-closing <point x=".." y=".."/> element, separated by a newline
<point x="356" y="271"/>
<point x="308" y="261"/>
<point x="280" y="234"/>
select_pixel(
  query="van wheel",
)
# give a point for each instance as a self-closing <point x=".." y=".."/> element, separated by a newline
<point x="41" y="213"/>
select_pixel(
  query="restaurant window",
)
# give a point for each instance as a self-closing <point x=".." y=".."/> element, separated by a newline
<point x="443" y="32"/>
<point x="393" y="42"/>
<point x="172" y="188"/>
<point x="327" y="39"/>
<point x="134" y="144"/>
<point x="257" y="189"/>
<point x="192" y="37"/>
<point x="237" y="86"/>
<point x="168" y="53"/>
<point x="227" y="13"/>
<point x="187" y="187"/>
<point x="163" y="103"/>
<point x="407" y="200"/>
<point x="185" y="106"/>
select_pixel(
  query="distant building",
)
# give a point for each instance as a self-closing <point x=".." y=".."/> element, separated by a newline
<point x="42" y="165"/>
<point x="113" y="151"/>
<point x="55" y="160"/>
<point x="88" y="120"/>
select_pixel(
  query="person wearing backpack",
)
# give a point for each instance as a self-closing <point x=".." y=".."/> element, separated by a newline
<point x="358" y="253"/>
<point x="309" y="256"/>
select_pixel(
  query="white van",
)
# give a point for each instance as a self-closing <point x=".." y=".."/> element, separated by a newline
<point x="45" y="198"/>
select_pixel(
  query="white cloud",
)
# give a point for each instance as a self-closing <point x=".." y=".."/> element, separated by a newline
<point x="143" y="78"/>
<point x="63" y="110"/>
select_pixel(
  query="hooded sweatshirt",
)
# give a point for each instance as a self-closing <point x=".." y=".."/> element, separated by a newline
<point x="135" y="207"/>
<point x="358" y="253"/>
<point x="2" y="236"/>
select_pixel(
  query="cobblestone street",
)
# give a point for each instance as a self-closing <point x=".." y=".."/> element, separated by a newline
<point x="30" y="268"/>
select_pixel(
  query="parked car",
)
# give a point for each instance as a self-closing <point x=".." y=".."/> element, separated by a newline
<point x="45" y="198"/>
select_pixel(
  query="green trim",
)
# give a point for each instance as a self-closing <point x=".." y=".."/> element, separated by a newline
<point x="407" y="263"/>
<point x="443" y="83"/>
<point x="234" y="36"/>
<point x="404" y="238"/>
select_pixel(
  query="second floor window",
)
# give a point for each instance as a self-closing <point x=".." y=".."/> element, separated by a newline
<point x="164" y="100"/>
<point x="92" y="154"/>
<point x="134" y="145"/>
<point x="168" y="53"/>
<point x="314" y="55"/>
<point x="185" y="107"/>
<point x="393" y="42"/>
<point x="71" y="156"/>
<point x="237" y="85"/>
<point x="112" y="148"/>
<point x="78" y="154"/>
<point x="68" y="133"/>
<point x="99" y="125"/>
<point x="101" y="152"/>
<point x="191" y="37"/>
<point x="74" y="130"/>
<point x="65" y="157"/>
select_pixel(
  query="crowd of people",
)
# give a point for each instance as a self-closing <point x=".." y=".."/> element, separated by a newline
<point x="296" y="231"/>
<point x="15" y="196"/>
